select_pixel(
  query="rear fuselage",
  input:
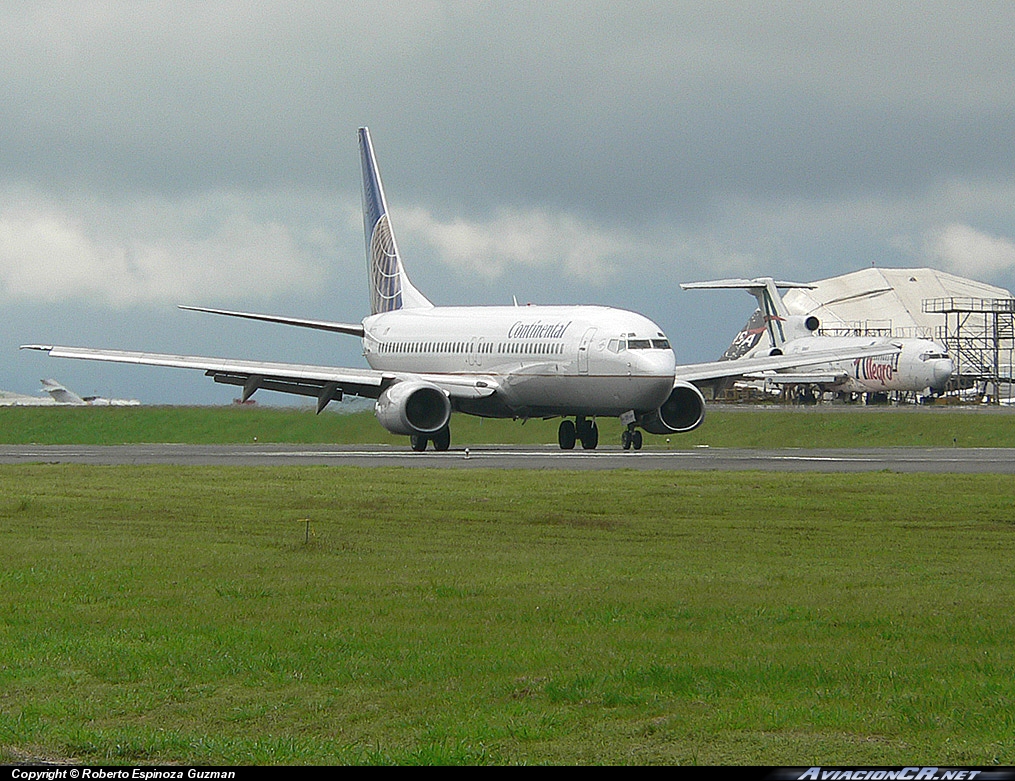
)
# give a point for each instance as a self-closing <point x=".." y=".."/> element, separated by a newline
<point x="921" y="364"/>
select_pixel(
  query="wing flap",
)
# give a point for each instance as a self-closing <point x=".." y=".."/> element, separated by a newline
<point x="816" y="378"/>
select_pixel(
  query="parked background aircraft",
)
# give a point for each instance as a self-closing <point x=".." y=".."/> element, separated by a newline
<point x="59" y="395"/>
<point x="918" y="366"/>
<point x="574" y="362"/>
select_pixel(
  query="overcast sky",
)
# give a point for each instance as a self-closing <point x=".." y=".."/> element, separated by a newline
<point x="158" y="153"/>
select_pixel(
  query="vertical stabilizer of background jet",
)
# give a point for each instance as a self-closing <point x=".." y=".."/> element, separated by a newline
<point x="60" y="394"/>
<point x="390" y="288"/>
<point x="771" y="304"/>
<point x="769" y="317"/>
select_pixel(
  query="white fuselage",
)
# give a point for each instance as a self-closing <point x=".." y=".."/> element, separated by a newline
<point x="922" y="365"/>
<point x="545" y="360"/>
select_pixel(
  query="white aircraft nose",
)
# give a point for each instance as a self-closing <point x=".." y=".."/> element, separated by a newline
<point x="652" y="362"/>
<point x="943" y="368"/>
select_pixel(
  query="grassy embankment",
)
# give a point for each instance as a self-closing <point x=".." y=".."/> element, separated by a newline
<point x="173" y="614"/>
<point x="722" y="428"/>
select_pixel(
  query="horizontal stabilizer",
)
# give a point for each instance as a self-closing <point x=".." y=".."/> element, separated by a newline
<point x="353" y="329"/>
<point x="744" y="284"/>
<point x="770" y="304"/>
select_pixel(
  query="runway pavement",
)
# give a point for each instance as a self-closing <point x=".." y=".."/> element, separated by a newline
<point x="934" y="460"/>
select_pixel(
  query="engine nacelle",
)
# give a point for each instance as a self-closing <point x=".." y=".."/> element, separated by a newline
<point x="684" y="410"/>
<point x="413" y="408"/>
<point x="797" y="326"/>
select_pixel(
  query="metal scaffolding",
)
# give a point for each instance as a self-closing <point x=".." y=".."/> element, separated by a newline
<point x="980" y="335"/>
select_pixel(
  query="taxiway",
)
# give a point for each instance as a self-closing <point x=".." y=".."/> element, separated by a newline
<point x="933" y="460"/>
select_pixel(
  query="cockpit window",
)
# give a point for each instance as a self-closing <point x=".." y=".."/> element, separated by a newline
<point x="619" y="345"/>
<point x="933" y="356"/>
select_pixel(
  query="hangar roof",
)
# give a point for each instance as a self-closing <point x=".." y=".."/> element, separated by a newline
<point x="885" y="298"/>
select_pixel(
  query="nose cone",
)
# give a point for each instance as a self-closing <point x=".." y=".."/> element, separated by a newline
<point x="943" y="368"/>
<point x="653" y="363"/>
<point x="654" y="370"/>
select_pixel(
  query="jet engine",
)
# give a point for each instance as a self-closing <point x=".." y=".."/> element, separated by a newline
<point x="684" y="410"/>
<point x="796" y="326"/>
<point x="413" y="408"/>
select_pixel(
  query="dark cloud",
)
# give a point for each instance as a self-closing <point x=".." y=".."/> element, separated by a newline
<point x="682" y="102"/>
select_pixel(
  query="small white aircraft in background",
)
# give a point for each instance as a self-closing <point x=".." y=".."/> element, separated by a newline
<point x="574" y="362"/>
<point x="918" y="366"/>
<point x="60" y="396"/>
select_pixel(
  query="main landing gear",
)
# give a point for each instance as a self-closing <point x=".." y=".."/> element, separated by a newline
<point x="581" y="429"/>
<point x="441" y="440"/>
<point x="630" y="437"/>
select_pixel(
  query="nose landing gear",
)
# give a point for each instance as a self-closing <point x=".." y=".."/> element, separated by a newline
<point x="630" y="437"/>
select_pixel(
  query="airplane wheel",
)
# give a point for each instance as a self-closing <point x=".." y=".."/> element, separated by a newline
<point x="636" y="440"/>
<point x="590" y="437"/>
<point x="442" y="439"/>
<point x="418" y="442"/>
<point x="625" y="439"/>
<point x="566" y="435"/>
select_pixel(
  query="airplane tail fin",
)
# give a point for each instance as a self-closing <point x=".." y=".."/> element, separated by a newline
<point x="390" y="287"/>
<point x="771" y="315"/>
<point x="60" y="394"/>
<point x="747" y="339"/>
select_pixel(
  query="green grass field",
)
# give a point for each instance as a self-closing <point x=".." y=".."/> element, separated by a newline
<point x="724" y="427"/>
<point x="339" y="615"/>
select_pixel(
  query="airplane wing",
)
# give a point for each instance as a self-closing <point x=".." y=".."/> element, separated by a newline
<point x="353" y="329"/>
<point x="717" y="370"/>
<point x="325" y="383"/>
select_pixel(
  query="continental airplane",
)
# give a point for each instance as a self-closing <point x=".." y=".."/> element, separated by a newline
<point x="426" y="361"/>
<point x="920" y="366"/>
